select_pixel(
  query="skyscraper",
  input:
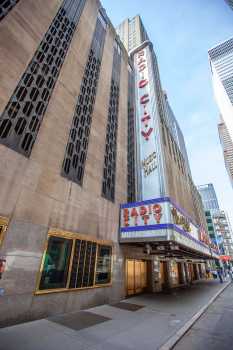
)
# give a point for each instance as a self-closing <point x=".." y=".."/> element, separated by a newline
<point x="209" y="198"/>
<point x="217" y="221"/>
<point x="221" y="62"/>
<point x="224" y="233"/>
<point x="230" y="3"/>
<point x="210" y="204"/>
<point x="132" y="32"/>
<point x="227" y="147"/>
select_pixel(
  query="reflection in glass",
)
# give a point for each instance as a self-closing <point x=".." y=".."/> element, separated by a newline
<point x="56" y="263"/>
<point x="103" y="266"/>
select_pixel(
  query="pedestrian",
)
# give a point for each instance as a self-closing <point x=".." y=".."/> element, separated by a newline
<point x="219" y="271"/>
<point x="230" y="271"/>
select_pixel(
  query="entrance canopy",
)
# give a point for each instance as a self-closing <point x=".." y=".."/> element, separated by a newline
<point x="161" y="221"/>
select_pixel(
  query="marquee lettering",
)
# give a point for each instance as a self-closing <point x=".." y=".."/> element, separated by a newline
<point x="144" y="99"/>
<point x="145" y="212"/>
<point x="142" y="67"/>
<point x="140" y="54"/>
<point x="146" y="134"/>
<point x="142" y="83"/>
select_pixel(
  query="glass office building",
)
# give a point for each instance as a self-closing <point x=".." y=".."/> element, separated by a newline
<point x="221" y="62"/>
<point x="227" y="148"/>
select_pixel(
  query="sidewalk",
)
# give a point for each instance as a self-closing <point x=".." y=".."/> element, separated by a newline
<point x="214" y="329"/>
<point x="142" y="322"/>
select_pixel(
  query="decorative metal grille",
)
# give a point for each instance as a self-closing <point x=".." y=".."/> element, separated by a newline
<point x="131" y="139"/>
<point x="22" y="117"/>
<point x="76" y="149"/>
<point x="109" y="172"/>
<point x="6" y="6"/>
<point x="83" y="266"/>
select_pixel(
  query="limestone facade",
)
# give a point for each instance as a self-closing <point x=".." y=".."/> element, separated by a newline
<point x="34" y="197"/>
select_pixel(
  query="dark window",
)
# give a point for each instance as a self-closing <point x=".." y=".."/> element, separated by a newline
<point x="56" y="263"/>
<point x="109" y="171"/>
<point x="81" y="124"/>
<point x="103" y="265"/>
<point x="131" y="140"/>
<point x="71" y="263"/>
<point x="31" y="97"/>
<point x="83" y="267"/>
<point x="6" y="6"/>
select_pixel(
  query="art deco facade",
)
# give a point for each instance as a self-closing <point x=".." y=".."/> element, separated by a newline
<point x="63" y="157"/>
<point x="227" y="147"/>
<point x="166" y="224"/>
<point x="70" y="156"/>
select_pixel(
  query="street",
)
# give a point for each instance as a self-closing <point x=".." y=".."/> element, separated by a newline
<point x="214" y="329"/>
<point x="146" y="321"/>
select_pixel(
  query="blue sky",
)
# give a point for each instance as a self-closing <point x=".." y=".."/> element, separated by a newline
<point x="182" y="32"/>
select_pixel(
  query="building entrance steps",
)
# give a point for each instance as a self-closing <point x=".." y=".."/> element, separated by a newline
<point x="147" y="321"/>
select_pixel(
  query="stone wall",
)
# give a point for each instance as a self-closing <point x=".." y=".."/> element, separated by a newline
<point x="33" y="194"/>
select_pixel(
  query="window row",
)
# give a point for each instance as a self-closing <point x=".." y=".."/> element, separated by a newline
<point x="71" y="261"/>
<point x="23" y="115"/>
<point x="173" y="148"/>
<point x="6" y="6"/>
<point x="77" y="146"/>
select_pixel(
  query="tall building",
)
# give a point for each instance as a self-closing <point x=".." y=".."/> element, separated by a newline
<point x="166" y="225"/>
<point x="211" y="206"/>
<point x="221" y="62"/>
<point x="230" y="3"/>
<point x="227" y="147"/>
<point x="84" y="128"/>
<point x="209" y="197"/>
<point x="63" y="158"/>
<point x="132" y="32"/>
<point x="217" y="221"/>
<point x="224" y="232"/>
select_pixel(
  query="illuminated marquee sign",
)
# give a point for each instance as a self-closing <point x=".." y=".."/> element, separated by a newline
<point x="143" y="215"/>
<point x="158" y="218"/>
<point x="146" y="125"/>
<point x="147" y="130"/>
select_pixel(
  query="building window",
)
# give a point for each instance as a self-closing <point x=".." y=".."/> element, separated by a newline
<point x="103" y="266"/>
<point x="6" y="6"/>
<point x="83" y="265"/>
<point x="72" y="261"/>
<point x="131" y="186"/>
<point x="3" y="228"/>
<point x="56" y="263"/>
<point x="76" y="149"/>
<point x="23" y="115"/>
<point x="109" y="172"/>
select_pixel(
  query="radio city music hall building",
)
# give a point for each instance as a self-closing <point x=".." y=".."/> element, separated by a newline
<point x="63" y="157"/>
<point x="163" y="232"/>
<point x="81" y="132"/>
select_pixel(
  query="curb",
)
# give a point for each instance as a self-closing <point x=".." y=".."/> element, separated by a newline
<point x="181" y="332"/>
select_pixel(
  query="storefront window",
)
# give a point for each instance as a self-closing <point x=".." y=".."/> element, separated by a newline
<point x="103" y="266"/>
<point x="72" y="262"/>
<point x="56" y="263"/>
